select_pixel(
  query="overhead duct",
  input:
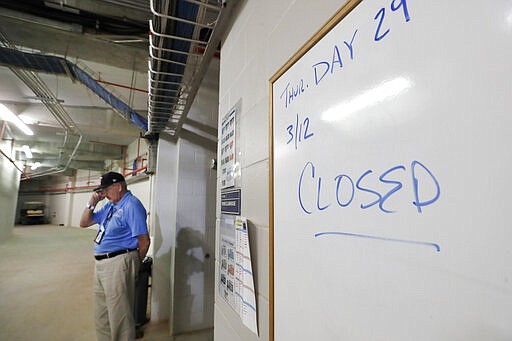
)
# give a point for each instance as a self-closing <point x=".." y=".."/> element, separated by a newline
<point x="184" y="37"/>
<point x="58" y="65"/>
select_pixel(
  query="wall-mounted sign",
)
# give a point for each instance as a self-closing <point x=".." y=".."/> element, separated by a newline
<point x="231" y="201"/>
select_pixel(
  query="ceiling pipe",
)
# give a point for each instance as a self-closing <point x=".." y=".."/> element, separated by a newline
<point x="41" y="90"/>
<point x="121" y="86"/>
<point x="58" y="169"/>
<point x="23" y="61"/>
<point x="12" y="161"/>
<point x="74" y="188"/>
<point x="140" y="169"/>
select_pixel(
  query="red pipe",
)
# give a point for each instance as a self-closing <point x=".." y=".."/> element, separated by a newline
<point x="136" y="171"/>
<point x="107" y="143"/>
<point x="85" y="187"/>
<point x="67" y="188"/>
<point x="121" y="86"/>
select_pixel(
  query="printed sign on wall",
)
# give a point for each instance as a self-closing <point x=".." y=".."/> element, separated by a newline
<point x="227" y="149"/>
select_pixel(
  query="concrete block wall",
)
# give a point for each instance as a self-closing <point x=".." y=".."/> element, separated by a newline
<point x="163" y="233"/>
<point x="262" y="37"/>
<point x="183" y="223"/>
<point x="9" y="186"/>
<point x="195" y="239"/>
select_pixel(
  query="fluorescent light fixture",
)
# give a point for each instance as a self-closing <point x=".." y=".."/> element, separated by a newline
<point x="509" y="17"/>
<point x="7" y="115"/>
<point x="368" y="98"/>
<point x="35" y="165"/>
<point x="120" y="41"/>
<point x="26" y="119"/>
<point x="27" y="151"/>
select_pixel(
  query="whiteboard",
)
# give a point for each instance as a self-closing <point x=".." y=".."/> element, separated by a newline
<point x="390" y="176"/>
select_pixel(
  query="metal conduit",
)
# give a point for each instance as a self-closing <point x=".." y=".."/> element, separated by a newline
<point x="174" y="37"/>
<point x="176" y="106"/>
<point x="165" y="59"/>
<point x="50" y="101"/>
<point x="214" y="41"/>
<point x="152" y="46"/>
<point x="205" y="4"/>
<point x="180" y="51"/>
<point x="163" y="82"/>
<point x="171" y="17"/>
<point x="60" y="114"/>
<point x="175" y="43"/>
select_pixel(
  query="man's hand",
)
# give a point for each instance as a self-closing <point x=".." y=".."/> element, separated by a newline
<point x="96" y="197"/>
<point x="86" y="219"/>
<point x="144" y="243"/>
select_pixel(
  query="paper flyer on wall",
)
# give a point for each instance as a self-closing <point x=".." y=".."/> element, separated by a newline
<point x="244" y="280"/>
<point x="236" y="284"/>
<point x="227" y="270"/>
<point x="227" y="149"/>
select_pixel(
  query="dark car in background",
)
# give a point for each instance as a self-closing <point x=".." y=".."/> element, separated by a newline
<point x="34" y="212"/>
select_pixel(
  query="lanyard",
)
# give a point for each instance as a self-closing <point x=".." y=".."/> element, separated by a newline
<point x="103" y="227"/>
<point x="109" y="215"/>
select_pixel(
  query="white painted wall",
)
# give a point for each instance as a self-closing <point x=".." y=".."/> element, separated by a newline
<point x="163" y="236"/>
<point x="264" y="35"/>
<point x="74" y="207"/>
<point x="183" y="236"/>
<point x="195" y="239"/>
<point x="9" y="185"/>
<point x="142" y="190"/>
<point x="57" y="207"/>
<point x="194" y="264"/>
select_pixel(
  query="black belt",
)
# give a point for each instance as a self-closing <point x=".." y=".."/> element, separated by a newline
<point x="113" y="254"/>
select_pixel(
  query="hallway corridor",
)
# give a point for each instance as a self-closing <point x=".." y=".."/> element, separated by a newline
<point x="46" y="286"/>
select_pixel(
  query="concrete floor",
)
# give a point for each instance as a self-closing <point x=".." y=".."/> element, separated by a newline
<point x="46" y="287"/>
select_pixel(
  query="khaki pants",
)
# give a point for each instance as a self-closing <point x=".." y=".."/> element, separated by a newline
<point x="114" y="296"/>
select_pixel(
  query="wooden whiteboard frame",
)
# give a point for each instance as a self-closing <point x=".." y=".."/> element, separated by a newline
<point x="326" y="28"/>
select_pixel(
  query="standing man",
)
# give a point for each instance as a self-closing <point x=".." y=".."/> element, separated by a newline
<point x="119" y="247"/>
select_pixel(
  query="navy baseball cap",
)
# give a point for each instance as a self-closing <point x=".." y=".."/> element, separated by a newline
<point x="109" y="179"/>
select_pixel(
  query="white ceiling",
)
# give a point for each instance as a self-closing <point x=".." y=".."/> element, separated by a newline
<point x="118" y="59"/>
<point x="103" y="130"/>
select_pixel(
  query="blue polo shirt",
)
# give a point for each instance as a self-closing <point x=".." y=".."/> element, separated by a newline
<point x="123" y="222"/>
